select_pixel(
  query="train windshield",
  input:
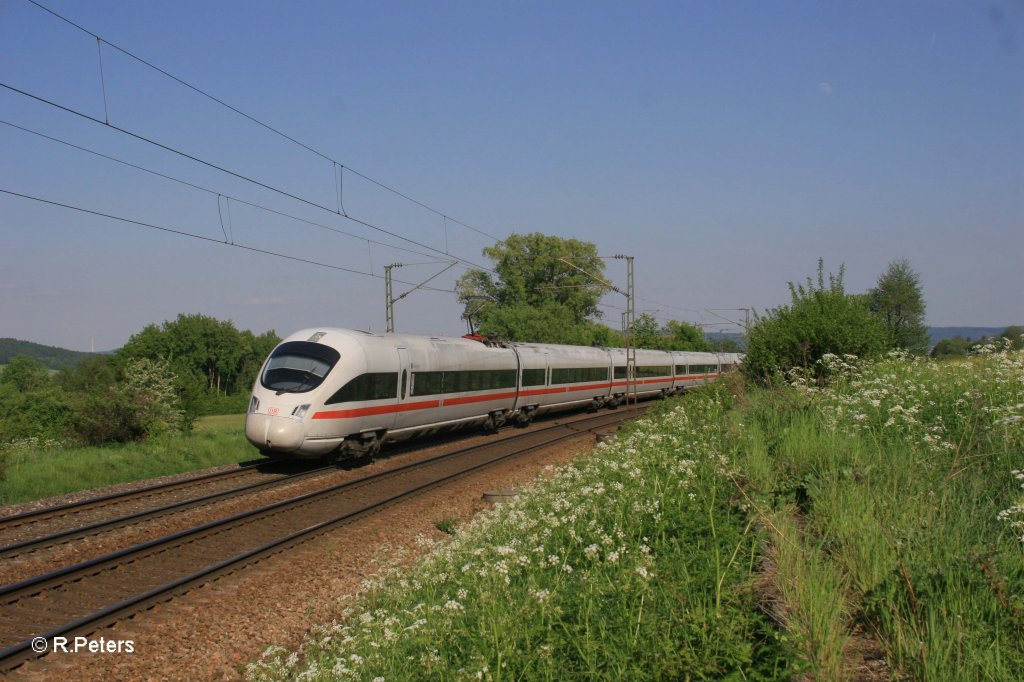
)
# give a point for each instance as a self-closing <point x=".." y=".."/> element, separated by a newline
<point x="298" y="367"/>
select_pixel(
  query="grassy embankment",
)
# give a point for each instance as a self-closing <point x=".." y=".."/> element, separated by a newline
<point x="895" y="507"/>
<point x="38" y="472"/>
<point x="886" y="505"/>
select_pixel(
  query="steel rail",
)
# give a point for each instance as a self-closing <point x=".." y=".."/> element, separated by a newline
<point x="18" y="548"/>
<point x="18" y="652"/>
<point x="112" y="498"/>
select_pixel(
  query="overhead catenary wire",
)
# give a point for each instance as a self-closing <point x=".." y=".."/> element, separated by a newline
<point x="217" y="193"/>
<point x="260" y="123"/>
<point x="338" y="167"/>
<point x="183" y="233"/>
<point x="240" y="176"/>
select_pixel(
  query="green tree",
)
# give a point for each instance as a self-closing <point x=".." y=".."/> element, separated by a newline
<point x="603" y="335"/>
<point x="533" y="293"/>
<point x="142" y="404"/>
<point x="647" y="332"/>
<point x="1015" y="333"/>
<point x="25" y="374"/>
<point x="547" y="322"/>
<point x="208" y="357"/>
<point x="724" y="344"/>
<point x="819" y="320"/>
<point x="898" y="303"/>
<point x="674" y="335"/>
<point x="32" y="404"/>
<point x="94" y="374"/>
<point x="956" y="347"/>
<point x="686" y="336"/>
<point x="39" y="413"/>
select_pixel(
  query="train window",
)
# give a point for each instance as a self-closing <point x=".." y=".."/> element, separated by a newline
<point x="703" y="369"/>
<point x="427" y="383"/>
<point x="533" y="377"/>
<point x="405" y="383"/>
<point x="432" y="383"/>
<point x="298" y="366"/>
<point x="653" y="371"/>
<point x="680" y="370"/>
<point x="502" y="378"/>
<point x="576" y="375"/>
<point x="370" y="386"/>
<point x="621" y="373"/>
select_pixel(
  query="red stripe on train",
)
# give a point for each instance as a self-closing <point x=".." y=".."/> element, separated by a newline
<point x="378" y="409"/>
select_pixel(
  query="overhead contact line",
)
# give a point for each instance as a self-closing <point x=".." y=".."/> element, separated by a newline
<point x="216" y="193"/>
<point x="232" y="173"/>
<point x="335" y="163"/>
<point x="183" y="233"/>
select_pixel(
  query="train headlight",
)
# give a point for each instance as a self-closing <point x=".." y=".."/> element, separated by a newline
<point x="254" y="405"/>
<point x="301" y="411"/>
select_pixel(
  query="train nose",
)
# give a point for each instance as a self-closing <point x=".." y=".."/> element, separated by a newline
<point x="280" y="434"/>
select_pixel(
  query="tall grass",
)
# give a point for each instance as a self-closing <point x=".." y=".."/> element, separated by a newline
<point x="633" y="563"/>
<point x="904" y="475"/>
<point x="812" y="593"/>
<point x="38" y="469"/>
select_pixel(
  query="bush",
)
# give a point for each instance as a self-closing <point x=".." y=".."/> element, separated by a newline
<point x="41" y="413"/>
<point x="820" y="320"/>
<point x="143" y="404"/>
<point x="956" y="347"/>
<point x="25" y="374"/>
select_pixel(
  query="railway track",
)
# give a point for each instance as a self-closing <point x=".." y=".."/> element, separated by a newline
<point x="78" y="599"/>
<point x="69" y="514"/>
<point x="59" y="525"/>
<point x="53" y="526"/>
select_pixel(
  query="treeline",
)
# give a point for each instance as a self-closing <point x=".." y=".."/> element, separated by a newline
<point x="959" y="346"/>
<point x="545" y="289"/>
<point x="210" y="358"/>
<point x="160" y="381"/>
<point x="823" y="323"/>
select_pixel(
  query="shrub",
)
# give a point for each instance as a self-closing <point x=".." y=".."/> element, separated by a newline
<point x="25" y="374"/>
<point x="820" y="320"/>
<point x="27" y="414"/>
<point x="143" y="404"/>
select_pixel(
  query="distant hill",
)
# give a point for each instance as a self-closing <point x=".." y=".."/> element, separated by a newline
<point x="52" y="357"/>
<point x="974" y="333"/>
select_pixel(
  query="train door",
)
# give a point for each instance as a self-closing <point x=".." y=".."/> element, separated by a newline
<point x="402" y="415"/>
<point x="403" y="374"/>
<point x="519" y="379"/>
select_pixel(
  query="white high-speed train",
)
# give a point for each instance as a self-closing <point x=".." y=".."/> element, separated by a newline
<point x="334" y="393"/>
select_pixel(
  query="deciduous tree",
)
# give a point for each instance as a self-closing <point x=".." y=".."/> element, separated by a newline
<point x="898" y="303"/>
<point x="533" y="293"/>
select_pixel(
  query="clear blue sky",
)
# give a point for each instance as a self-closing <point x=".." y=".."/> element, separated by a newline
<point x="727" y="146"/>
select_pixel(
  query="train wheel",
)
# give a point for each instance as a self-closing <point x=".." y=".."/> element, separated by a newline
<point x="332" y="457"/>
<point x="525" y="417"/>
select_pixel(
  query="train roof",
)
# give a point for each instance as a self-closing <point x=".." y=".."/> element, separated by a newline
<point x="333" y="336"/>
